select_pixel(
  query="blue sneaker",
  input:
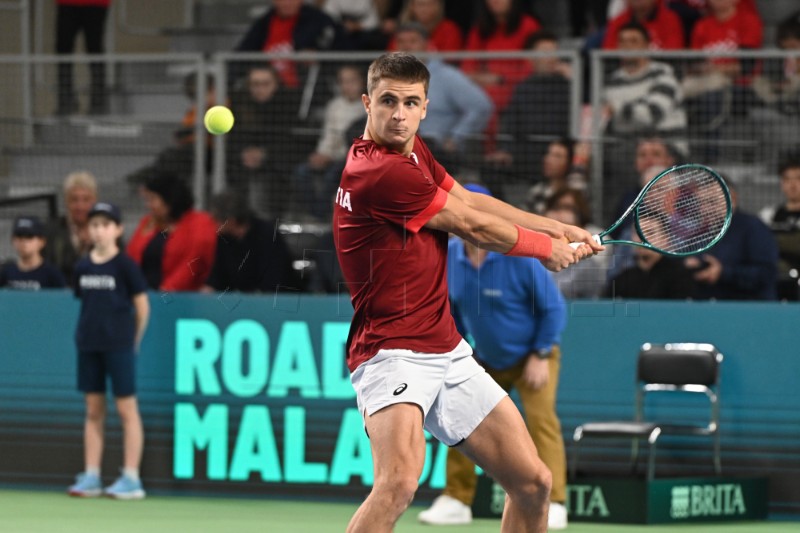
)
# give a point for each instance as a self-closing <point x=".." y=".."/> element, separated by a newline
<point x="86" y="486"/>
<point x="125" y="488"/>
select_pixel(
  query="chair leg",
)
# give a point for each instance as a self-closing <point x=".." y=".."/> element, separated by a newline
<point x="717" y="454"/>
<point x="634" y="455"/>
<point x="651" y="462"/>
<point x="573" y="468"/>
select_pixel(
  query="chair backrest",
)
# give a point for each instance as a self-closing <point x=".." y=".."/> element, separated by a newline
<point x="679" y="364"/>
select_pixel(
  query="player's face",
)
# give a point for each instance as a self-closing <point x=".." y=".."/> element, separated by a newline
<point x="103" y="231"/>
<point x="79" y="201"/>
<point x="395" y="109"/>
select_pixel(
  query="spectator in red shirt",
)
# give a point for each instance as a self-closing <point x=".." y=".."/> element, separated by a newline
<point x="174" y="244"/>
<point x="87" y="17"/>
<point x="663" y="25"/>
<point x="690" y="11"/>
<point x="728" y="27"/>
<point x="444" y="34"/>
<point x="501" y="25"/>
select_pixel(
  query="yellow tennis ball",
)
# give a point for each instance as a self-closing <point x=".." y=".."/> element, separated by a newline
<point x="218" y="120"/>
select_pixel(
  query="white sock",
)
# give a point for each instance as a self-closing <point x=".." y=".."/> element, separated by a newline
<point x="132" y="473"/>
<point x="93" y="470"/>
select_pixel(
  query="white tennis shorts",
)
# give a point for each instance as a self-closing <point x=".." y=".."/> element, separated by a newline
<point x="454" y="392"/>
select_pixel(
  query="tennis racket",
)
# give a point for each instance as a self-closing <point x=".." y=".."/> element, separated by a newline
<point x="683" y="211"/>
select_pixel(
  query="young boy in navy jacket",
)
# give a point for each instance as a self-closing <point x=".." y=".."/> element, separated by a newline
<point x="113" y="318"/>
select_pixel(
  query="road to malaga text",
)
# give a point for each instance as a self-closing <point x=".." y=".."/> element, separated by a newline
<point x="238" y="361"/>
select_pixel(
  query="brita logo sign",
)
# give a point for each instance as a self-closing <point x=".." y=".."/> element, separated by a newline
<point x="724" y="499"/>
<point x="587" y="501"/>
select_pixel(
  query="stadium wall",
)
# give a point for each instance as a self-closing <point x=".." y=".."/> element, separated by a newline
<point x="250" y="395"/>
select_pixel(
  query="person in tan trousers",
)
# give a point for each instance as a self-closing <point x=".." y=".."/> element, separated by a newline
<point x="514" y="313"/>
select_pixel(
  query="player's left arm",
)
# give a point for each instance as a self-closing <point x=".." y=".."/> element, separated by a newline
<point x="553" y="228"/>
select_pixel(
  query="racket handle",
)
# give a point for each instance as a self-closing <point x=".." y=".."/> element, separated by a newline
<point x="596" y="238"/>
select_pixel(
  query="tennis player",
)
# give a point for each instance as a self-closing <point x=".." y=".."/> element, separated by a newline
<point x="410" y="367"/>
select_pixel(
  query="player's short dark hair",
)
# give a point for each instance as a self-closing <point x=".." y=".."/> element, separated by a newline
<point x="231" y="205"/>
<point x="635" y="26"/>
<point x="540" y="36"/>
<point x="173" y="190"/>
<point x="398" y="66"/>
<point x="788" y="165"/>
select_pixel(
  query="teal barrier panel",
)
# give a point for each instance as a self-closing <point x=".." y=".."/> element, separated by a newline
<point x="250" y="395"/>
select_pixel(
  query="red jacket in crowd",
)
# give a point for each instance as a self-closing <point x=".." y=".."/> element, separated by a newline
<point x="511" y="71"/>
<point x="188" y="252"/>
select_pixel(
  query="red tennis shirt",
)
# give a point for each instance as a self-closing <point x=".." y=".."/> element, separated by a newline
<point x="395" y="268"/>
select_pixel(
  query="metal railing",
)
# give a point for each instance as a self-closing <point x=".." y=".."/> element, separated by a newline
<point x="30" y="114"/>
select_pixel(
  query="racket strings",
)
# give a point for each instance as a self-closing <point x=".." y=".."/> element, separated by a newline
<point x="684" y="211"/>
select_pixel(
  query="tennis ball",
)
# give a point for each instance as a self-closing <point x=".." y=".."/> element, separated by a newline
<point x="218" y="120"/>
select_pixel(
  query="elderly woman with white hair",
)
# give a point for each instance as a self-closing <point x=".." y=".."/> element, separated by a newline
<point x="68" y="236"/>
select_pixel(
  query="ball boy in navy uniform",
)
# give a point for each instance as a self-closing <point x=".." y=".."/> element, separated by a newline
<point x="113" y="318"/>
<point x="30" y="271"/>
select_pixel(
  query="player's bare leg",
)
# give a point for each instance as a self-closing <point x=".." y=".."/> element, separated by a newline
<point x="132" y="431"/>
<point x="398" y="455"/>
<point x="502" y="446"/>
<point x="93" y="429"/>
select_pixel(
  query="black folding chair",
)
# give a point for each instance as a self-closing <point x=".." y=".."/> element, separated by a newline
<point x="667" y="368"/>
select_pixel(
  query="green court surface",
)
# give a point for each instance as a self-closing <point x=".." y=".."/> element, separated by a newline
<point x="37" y="512"/>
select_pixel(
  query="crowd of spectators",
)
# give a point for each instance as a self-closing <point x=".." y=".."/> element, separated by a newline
<point x="503" y="121"/>
<point x="501" y="144"/>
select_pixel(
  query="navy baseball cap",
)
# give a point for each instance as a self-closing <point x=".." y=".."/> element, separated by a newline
<point x="107" y="210"/>
<point x="28" y="227"/>
<point x="480" y="189"/>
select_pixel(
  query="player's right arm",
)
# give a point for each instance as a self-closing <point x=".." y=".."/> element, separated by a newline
<point x="493" y="233"/>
